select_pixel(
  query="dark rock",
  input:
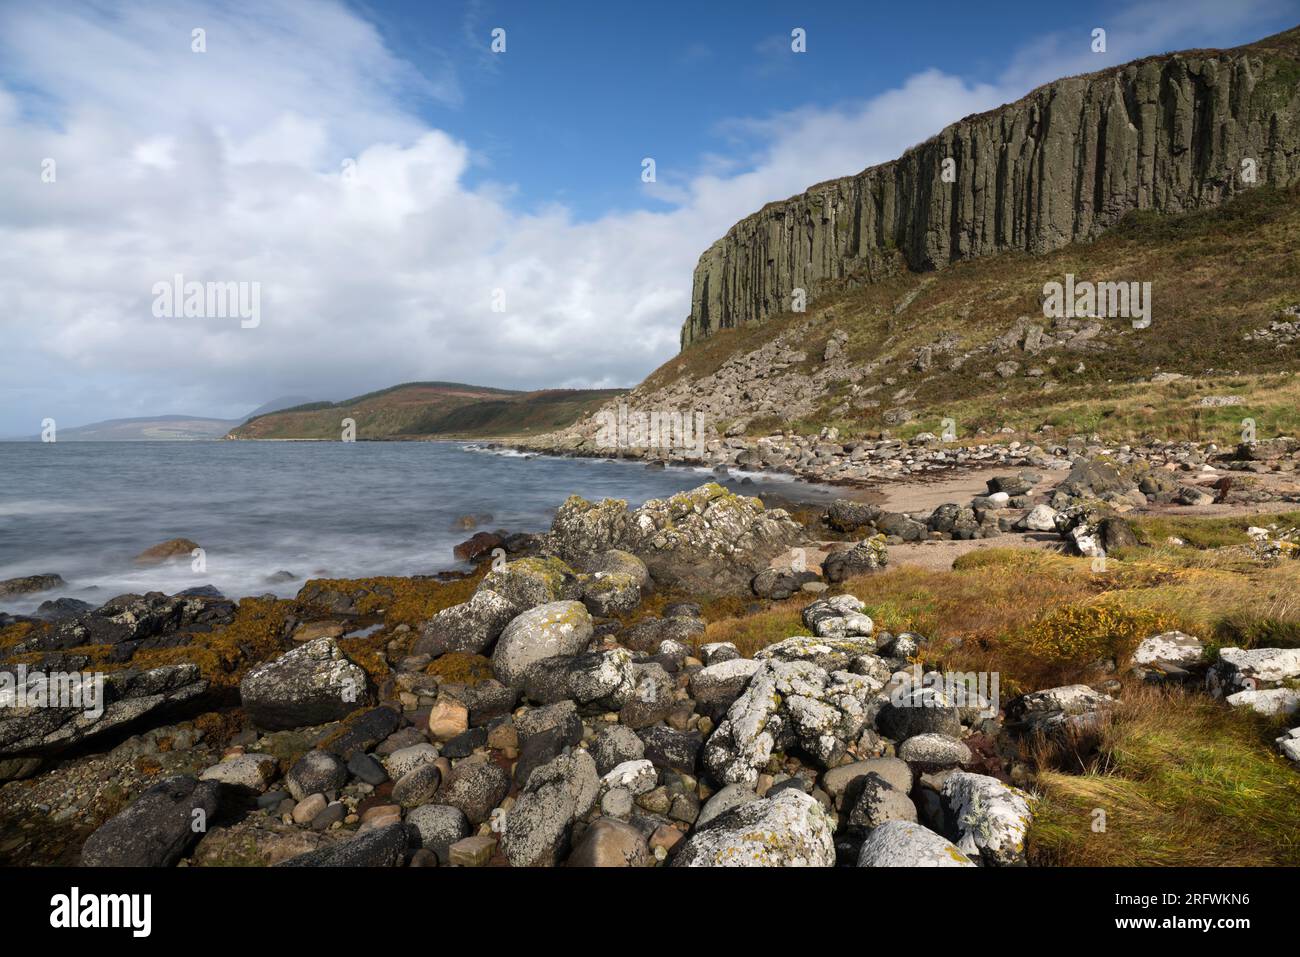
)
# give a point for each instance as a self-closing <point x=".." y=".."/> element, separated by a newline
<point x="29" y="584"/>
<point x="465" y="743"/>
<point x="312" y="684"/>
<point x="475" y="788"/>
<point x="365" y="768"/>
<point x="677" y="750"/>
<point x="363" y="731"/>
<point x="382" y="847"/>
<point x="157" y="828"/>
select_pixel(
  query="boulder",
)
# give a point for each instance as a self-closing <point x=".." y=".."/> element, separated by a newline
<point x="174" y="549"/>
<point x="381" y="847"/>
<point x="789" y="830"/>
<point x="611" y="594"/>
<point x="30" y="584"/>
<point x="828" y="654"/>
<point x="866" y="556"/>
<point x="1269" y="701"/>
<point x="609" y="842"/>
<point x="1253" y="668"/>
<point x="475" y="788"/>
<point x="470" y="626"/>
<point x="528" y="582"/>
<point x="614" y="745"/>
<point x="157" y="828"/>
<point x="878" y="801"/>
<point x="932" y="751"/>
<point x="311" y="684"/>
<point x="548" y="630"/>
<point x="707" y="538"/>
<point x="439" y="826"/>
<point x="841" y="616"/>
<point x="907" y="844"/>
<point x="316" y="772"/>
<point x="990" y="818"/>
<point x="788" y="703"/>
<point x="536" y="832"/>
<point x="243" y="772"/>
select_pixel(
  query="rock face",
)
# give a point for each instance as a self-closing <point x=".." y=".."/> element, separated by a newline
<point x="1059" y="166"/>
<point x="790" y="830"/>
<point x="126" y="697"/>
<point x="311" y="684"/>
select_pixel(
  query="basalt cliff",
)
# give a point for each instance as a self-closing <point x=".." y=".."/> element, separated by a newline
<point x="1171" y="134"/>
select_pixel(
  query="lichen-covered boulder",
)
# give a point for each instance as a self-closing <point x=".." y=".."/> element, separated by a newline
<point x="866" y="556"/>
<point x="990" y="818"/>
<point x="840" y="616"/>
<point x="528" y="582"/>
<point x="789" y="830"/>
<point x="1068" y="710"/>
<point x="611" y="594"/>
<point x="122" y="699"/>
<point x="470" y="626"/>
<point x="907" y="844"/>
<point x="548" y="630"/>
<point x="536" y="832"/>
<point x="1267" y="701"/>
<point x="707" y="537"/>
<point x="787" y="704"/>
<point x="1172" y="647"/>
<point x="311" y="684"/>
<point x="1252" y="669"/>
<point x="828" y="654"/>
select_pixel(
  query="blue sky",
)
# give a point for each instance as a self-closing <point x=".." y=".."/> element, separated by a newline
<point x="587" y="89"/>
<point x="382" y="176"/>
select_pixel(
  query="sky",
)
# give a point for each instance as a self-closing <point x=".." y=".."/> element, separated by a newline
<point x="406" y="203"/>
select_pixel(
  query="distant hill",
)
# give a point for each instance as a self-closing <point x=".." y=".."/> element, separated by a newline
<point x="276" y="405"/>
<point x="182" y="428"/>
<point x="427" y="409"/>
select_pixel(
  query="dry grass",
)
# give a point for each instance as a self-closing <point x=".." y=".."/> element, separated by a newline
<point x="1183" y="781"/>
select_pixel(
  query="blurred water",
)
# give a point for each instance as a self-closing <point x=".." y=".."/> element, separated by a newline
<point x="85" y="509"/>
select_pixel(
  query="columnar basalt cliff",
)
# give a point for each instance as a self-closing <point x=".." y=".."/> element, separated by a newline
<point x="1060" y="165"/>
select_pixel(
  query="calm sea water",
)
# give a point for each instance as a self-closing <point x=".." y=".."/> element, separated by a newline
<point x="85" y="509"/>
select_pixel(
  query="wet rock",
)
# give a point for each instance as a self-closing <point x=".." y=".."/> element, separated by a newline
<point x="174" y="549"/>
<point x="311" y="684"/>
<point x="30" y="584"/>
<point x="61" y="609"/>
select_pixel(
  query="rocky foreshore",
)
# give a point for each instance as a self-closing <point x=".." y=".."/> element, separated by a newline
<point x="563" y="705"/>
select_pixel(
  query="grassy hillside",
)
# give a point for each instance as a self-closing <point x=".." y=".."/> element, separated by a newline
<point x="429" y="409"/>
<point x="1216" y="276"/>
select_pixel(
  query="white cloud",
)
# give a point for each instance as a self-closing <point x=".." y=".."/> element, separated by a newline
<point x="283" y="156"/>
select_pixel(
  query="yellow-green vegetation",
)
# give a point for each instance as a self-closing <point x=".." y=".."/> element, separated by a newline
<point x="1183" y="781"/>
<point x="225" y="654"/>
<point x="1216" y="275"/>
<point x="461" y="667"/>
